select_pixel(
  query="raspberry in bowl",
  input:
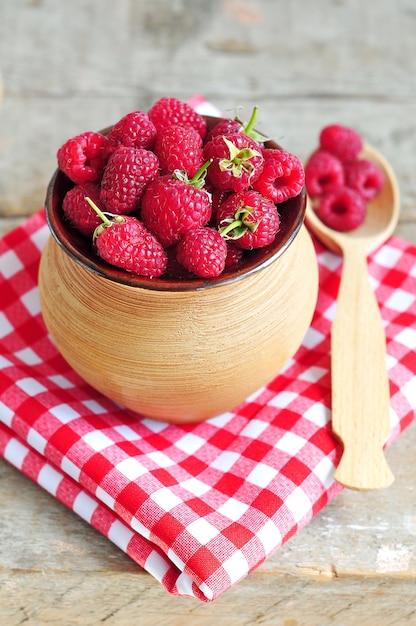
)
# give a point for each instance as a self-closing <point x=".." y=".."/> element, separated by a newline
<point x="179" y="345"/>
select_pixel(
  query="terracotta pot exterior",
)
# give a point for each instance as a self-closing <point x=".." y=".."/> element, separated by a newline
<point x="179" y="356"/>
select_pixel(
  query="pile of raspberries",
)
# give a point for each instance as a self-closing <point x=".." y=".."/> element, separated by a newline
<point x="341" y="183"/>
<point x="162" y="194"/>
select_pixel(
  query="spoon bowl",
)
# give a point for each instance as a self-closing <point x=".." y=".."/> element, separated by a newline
<point x="359" y="380"/>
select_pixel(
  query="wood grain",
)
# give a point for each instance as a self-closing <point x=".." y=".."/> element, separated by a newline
<point x="305" y="64"/>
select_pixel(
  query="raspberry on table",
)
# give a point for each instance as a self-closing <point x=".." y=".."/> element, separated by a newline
<point x="170" y="207"/>
<point x="342" y="141"/>
<point x="323" y="171"/>
<point x="365" y="177"/>
<point x="125" y="178"/>
<point x="167" y="111"/>
<point x="342" y="209"/>
<point x="249" y="219"/>
<point x="134" y="130"/>
<point x="78" y="211"/>
<point x="82" y="158"/>
<point x="203" y="252"/>
<point x="282" y="176"/>
<point x="236" y="161"/>
<point x="179" y="148"/>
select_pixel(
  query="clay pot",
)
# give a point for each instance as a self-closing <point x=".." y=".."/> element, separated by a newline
<point x="179" y="351"/>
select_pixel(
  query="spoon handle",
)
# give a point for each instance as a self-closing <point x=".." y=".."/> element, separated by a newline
<point x="360" y="385"/>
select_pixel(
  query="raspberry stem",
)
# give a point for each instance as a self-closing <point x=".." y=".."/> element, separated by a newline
<point x="249" y="127"/>
<point x="100" y="214"/>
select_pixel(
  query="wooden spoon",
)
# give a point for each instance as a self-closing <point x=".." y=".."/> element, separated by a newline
<point x="359" y="379"/>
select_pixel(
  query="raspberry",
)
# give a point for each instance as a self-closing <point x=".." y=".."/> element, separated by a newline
<point x="225" y="126"/>
<point x="82" y="158"/>
<point x="365" y="177"/>
<point x="179" y="148"/>
<point x="171" y="207"/>
<point x="79" y="211"/>
<point x="249" y="219"/>
<point x="236" y="161"/>
<point x="342" y="209"/>
<point x="202" y="251"/>
<point x="282" y="176"/>
<point x="323" y="171"/>
<point x="126" y="175"/>
<point x="234" y="256"/>
<point x="341" y="141"/>
<point x="168" y="111"/>
<point x="134" y="130"/>
<point x="124" y="242"/>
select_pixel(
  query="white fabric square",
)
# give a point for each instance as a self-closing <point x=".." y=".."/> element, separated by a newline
<point x="36" y="441"/>
<point x="225" y="460"/>
<point x="400" y="300"/>
<point x="387" y="256"/>
<point x="165" y="499"/>
<point x="189" y="443"/>
<point x="312" y="338"/>
<point x="84" y="506"/>
<point x="31" y="301"/>
<point x="318" y="413"/>
<point x="126" y="432"/>
<point x="161" y="459"/>
<point x="262" y="475"/>
<point x="49" y="479"/>
<point x="97" y="440"/>
<point x="270" y="536"/>
<point x="298" y="503"/>
<point x="236" y="566"/>
<point x="202" y="530"/>
<point x="5" y="327"/>
<point x="283" y="399"/>
<point x="64" y="413"/>
<point x="313" y="374"/>
<point x="195" y="486"/>
<point x="407" y="337"/>
<point x="254" y="428"/>
<point x="10" y="264"/>
<point x="28" y="356"/>
<point x="31" y="386"/>
<point x="40" y="237"/>
<point x="325" y="470"/>
<point x="329" y="312"/>
<point x="221" y="420"/>
<point x="409" y="390"/>
<point x="4" y="362"/>
<point x="61" y="381"/>
<point x="104" y="497"/>
<point x="184" y="585"/>
<point x="290" y="443"/>
<point x="140" y="528"/>
<point x="70" y="469"/>
<point x="330" y="260"/>
<point x="154" y="425"/>
<point x="156" y="565"/>
<point x="120" y="535"/>
<point x="131" y="468"/>
<point x="233" y="509"/>
<point x="6" y="414"/>
<point x="94" y="406"/>
<point x="15" y="452"/>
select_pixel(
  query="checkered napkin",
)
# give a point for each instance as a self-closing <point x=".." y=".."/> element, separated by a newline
<point x="197" y="506"/>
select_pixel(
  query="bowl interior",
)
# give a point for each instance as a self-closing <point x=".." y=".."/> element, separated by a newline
<point x="292" y="213"/>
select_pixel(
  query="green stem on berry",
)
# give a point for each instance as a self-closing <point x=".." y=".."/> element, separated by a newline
<point x="200" y="174"/>
<point x="100" y="214"/>
<point x="249" y="127"/>
<point x="236" y="226"/>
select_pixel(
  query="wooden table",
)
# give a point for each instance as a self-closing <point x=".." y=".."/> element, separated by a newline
<point x="70" y="67"/>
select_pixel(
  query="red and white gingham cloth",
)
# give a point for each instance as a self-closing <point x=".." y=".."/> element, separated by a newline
<point x="197" y="506"/>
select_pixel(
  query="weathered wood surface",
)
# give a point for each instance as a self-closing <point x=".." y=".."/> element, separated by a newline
<point x="70" y="67"/>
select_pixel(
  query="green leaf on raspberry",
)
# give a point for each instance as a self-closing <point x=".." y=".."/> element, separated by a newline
<point x="237" y="226"/>
<point x="197" y="180"/>
<point x="239" y="159"/>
